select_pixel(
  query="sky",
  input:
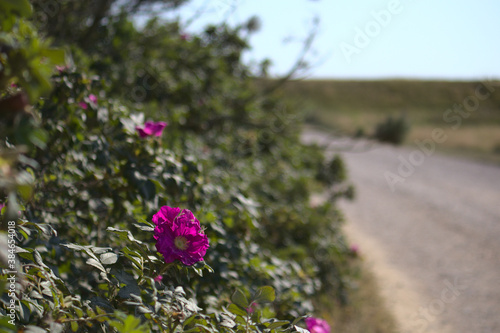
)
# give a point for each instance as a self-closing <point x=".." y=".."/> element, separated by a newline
<point x="368" y="39"/>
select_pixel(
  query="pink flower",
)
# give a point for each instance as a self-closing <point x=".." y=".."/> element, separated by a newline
<point x="178" y="236"/>
<point x="13" y="85"/>
<point x="315" y="325"/>
<point x="61" y="69"/>
<point x="93" y="98"/>
<point x="252" y="307"/>
<point x="159" y="278"/>
<point x="354" y="249"/>
<point x="151" y="128"/>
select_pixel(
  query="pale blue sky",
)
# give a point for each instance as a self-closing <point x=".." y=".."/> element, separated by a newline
<point x="427" y="39"/>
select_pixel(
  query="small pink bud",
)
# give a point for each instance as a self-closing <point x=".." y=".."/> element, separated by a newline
<point x="354" y="249"/>
<point x="61" y="69"/>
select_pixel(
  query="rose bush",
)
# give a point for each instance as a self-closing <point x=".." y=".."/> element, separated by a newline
<point x="99" y="248"/>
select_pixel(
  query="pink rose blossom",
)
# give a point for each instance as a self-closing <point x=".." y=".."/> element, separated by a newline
<point x="151" y="128"/>
<point x="315" y="325"/>
<point x="178" y="236"/>
<point x="93" y="98"/>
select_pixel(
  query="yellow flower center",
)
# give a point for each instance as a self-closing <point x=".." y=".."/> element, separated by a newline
<point x="181" y="243"/>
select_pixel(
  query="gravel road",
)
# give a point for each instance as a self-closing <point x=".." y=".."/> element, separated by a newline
<point x="429" y="226"/>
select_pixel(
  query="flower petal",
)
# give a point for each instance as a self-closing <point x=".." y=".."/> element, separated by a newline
<point x="171" y="223"/>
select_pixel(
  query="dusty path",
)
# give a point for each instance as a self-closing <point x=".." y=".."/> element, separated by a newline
<point x="433" y="241"/>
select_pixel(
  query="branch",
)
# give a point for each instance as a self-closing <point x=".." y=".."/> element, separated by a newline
<point x="299" y="63"/>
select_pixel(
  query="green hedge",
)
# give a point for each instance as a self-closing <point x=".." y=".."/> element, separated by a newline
<point x="87" y="186"/>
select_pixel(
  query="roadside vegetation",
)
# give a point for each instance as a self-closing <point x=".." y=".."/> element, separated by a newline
<point x="148" y="185"/>
<point x="357" y="107"/>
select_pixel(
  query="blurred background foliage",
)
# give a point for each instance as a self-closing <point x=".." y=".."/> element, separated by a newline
<point x="82" y="186"/>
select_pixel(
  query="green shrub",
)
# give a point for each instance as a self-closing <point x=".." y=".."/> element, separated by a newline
<point x="229" y="154"/>
<point x="392" y="130"/>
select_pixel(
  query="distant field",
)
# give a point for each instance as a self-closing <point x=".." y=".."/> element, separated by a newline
<point x="349" y="106"/>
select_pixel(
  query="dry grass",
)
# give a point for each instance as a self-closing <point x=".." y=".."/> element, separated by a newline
<point x="349" y="106"/>
<point x="483" y="138"/>
<point x="366" y="312"/>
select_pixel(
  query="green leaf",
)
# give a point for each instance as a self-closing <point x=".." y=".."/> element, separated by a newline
<point x="300" y="329"/>
<point x="38" y="259"/>
<point x="144" y="227"/>
<point x="108" y="258"/>
<point x="159" y="186"/>
<point x="5" y="326"/>
<point x="56" y="56"/>
<point x="264" y="295"/>
<point x="128" y="291"/>
<point x="124" y="234"/>
<point x="277" y="324"/>
<point x="78" y="311"/>
<point x="74" y="247"/>
<point x="34" y="329"/>
<point x="56" y="328"/>
<point x="21" y="7"/>
<point x="237" y="310"/>
<point x="38" y="137"/>
<point x="96" y="264"/>
<point x="25" y="191"/>
<point x="24" y="311"/>
<point x="130" y="324"/>
<point x="143" y="309"/>
<point x="99" y="250"/>
<point x="8" y="23"/>
<point x="298" y="319"/>
<point x="240" y="299"/>
<point x="24" y="254"/>
<point x="227" y="321"/>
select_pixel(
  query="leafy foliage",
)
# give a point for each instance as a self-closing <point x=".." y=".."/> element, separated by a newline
<point x="392" y="130"/>
<point x="230" y="154"/>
